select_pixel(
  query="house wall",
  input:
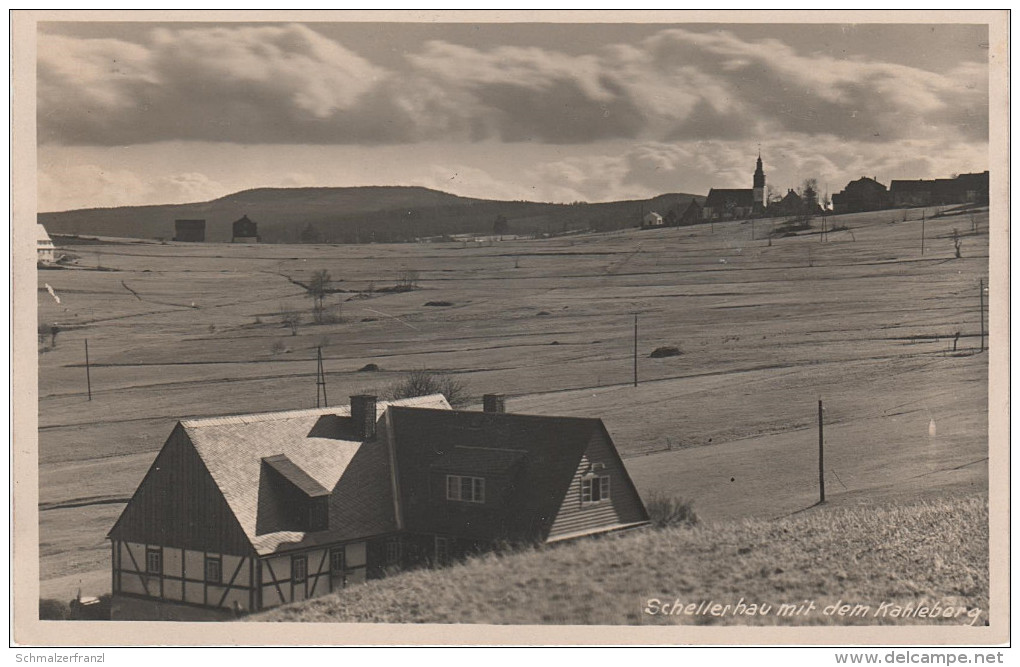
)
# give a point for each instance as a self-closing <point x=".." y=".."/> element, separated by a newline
<point x="276" y="586"/>
<point x="182" y="579"/>
<point x="623" y="507"/>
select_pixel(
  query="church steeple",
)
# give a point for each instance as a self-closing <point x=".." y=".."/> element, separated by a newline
<point x="759" y="187"/>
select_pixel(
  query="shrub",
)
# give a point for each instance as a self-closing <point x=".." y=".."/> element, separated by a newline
<point x="369" y="368"/>
<point x="665" y="511"/>
<point x="277" y="347"/>
<point x="438" y="303"/>
<point x="424" y="382"/>
<point x="53" y="610"/>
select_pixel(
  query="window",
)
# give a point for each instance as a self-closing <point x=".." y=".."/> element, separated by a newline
<point x="442" y="549"/>
<point x="393" y="551"/>
<point x="213" y="570"/>
<point x="336" y="561"/>
<point x="154" y="560"/>
<point x="466" y="489"/>
<point x="299" y="568"/>
<point x="594" y="488"/>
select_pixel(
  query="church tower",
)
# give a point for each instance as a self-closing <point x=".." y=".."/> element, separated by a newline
<point x="759" y="188"/>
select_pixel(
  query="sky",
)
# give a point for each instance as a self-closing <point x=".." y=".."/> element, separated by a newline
<point x="154" y="113"/>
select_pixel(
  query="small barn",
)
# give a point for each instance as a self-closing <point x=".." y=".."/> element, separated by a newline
<point x="728" y="204"/>
<point x="245" y="513"/>
<point x="652" y="219"/>
<point x="692" y="215"/>
<point x="46" y="252"/>
<point x="192" y="231"/>
<point x="244" y="231"/>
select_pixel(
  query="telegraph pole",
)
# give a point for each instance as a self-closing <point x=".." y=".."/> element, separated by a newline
<point x="922" y="231"/>
<point x="821" y="456"/>
<point x="320" y="381"/>
<point x="635" y="349"/>
<point x="88" y="374"/>
<point x="981" y="295"/>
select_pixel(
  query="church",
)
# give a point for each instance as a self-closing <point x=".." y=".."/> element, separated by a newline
<point x="736" y="203"/>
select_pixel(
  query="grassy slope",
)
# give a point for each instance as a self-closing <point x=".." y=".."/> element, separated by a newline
<point x="922" y="553"/>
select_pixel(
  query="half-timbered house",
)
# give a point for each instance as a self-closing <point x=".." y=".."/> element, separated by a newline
<point x="244" y="513"/>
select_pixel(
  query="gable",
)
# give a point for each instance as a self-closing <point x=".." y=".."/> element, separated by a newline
<point x="624" y="506"/>
<point x="178" y="504"/>
<point x="526" y="461"/>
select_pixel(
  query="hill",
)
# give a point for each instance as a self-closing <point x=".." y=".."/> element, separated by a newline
<point x="355" y="215"/>
<point x="884" y="563"/>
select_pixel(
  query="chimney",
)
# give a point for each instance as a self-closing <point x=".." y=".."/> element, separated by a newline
<point x="363" y="416"/>
<point x="494" y="403"/>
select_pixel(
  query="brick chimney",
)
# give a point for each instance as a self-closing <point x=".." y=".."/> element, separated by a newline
<point x="363" y="416"/>
<point x="494" y="403"/>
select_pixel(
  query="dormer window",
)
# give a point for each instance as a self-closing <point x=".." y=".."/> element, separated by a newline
<point x="465" y="489"/>
<point x="594" y="488"/>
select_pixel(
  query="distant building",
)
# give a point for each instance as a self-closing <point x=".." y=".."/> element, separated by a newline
<point x="791" y="204"/>
<point x="864" y="194"/>
<point x="732" y="204"/>
<point x="244" y="513"/>
<point x="46" y="252"/>
<point x="189" y="230"/>
<point x="244" y="231"/>
<point x="692" y="214"/>
<point x="652" y="219"/>
<point x="965" y="188"/>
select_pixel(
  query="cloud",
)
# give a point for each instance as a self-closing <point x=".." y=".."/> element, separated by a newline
<point x="63" y="187"/>
<point x="290" y="84"/>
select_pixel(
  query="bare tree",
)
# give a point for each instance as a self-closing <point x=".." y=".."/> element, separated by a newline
<point x="290" y="319"/>
<point x="318" y="288"/>
<point x="424" y="383"/>
<point x="957" y="242"/>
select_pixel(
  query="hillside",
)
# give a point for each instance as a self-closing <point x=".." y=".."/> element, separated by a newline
<point x="888" y="559"/>
<point x="354" y="215"/>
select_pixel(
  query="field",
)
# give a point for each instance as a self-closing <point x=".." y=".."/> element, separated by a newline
<point x="845" y="567"/>
<point x="862" y="321"/>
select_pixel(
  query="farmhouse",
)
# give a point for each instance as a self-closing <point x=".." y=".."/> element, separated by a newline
<point x="245" y="513"/>
<point x="189" y="230"/>
<point x="692" y="214"/>
<point x="244" y="230"/>
<point x="652" y="219"/>
<point x="44" y="248"/>
<point x="864" y="194"/>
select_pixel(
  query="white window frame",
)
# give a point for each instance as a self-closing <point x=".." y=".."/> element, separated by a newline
<point x="592" y="482"/>
<point x="218" y="579"/>
<point x="295" y="570"/>
<point x="150" y="553"/>
<point x="455" y="488"/>
<point x="442" y="549"/>
<point x="337" y="554"/>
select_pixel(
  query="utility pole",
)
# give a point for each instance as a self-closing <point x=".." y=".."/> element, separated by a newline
<point x="981" y="294"/>
<point x="821" y="456"/>
<point x="922" y="231"/>
<point x="635" y="349"/>
<point x="88" y="373"/>
<point x="320" y="381"/>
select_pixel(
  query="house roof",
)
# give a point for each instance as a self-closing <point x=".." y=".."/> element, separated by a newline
<point x="722" y="197"/>
<point x="537" y="457"/>
<point x="41" y="235"/>
<point x="321" y="445"/>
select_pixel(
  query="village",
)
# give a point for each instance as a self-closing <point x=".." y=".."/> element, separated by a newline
<point x="732" y="325"/>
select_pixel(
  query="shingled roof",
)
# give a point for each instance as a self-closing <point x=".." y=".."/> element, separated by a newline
<point x="529" y="462"/>
<point x="321" y="445"/>
<point x="722" y="197"/>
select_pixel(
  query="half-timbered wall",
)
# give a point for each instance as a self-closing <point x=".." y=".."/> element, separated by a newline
<point x="277" y="584"/>
<point x="623" y="506"/>
<point x="182" y="576"/>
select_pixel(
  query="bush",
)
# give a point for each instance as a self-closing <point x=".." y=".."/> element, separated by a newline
<point x="424" y="382"/>
<point x="665" y="511"/>
<point x="277" y="347"/>
<point x="369" y="368"/>
<point x="53" y="610"/>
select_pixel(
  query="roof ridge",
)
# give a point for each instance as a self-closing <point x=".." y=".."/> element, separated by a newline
<point x="339" y="410"/>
